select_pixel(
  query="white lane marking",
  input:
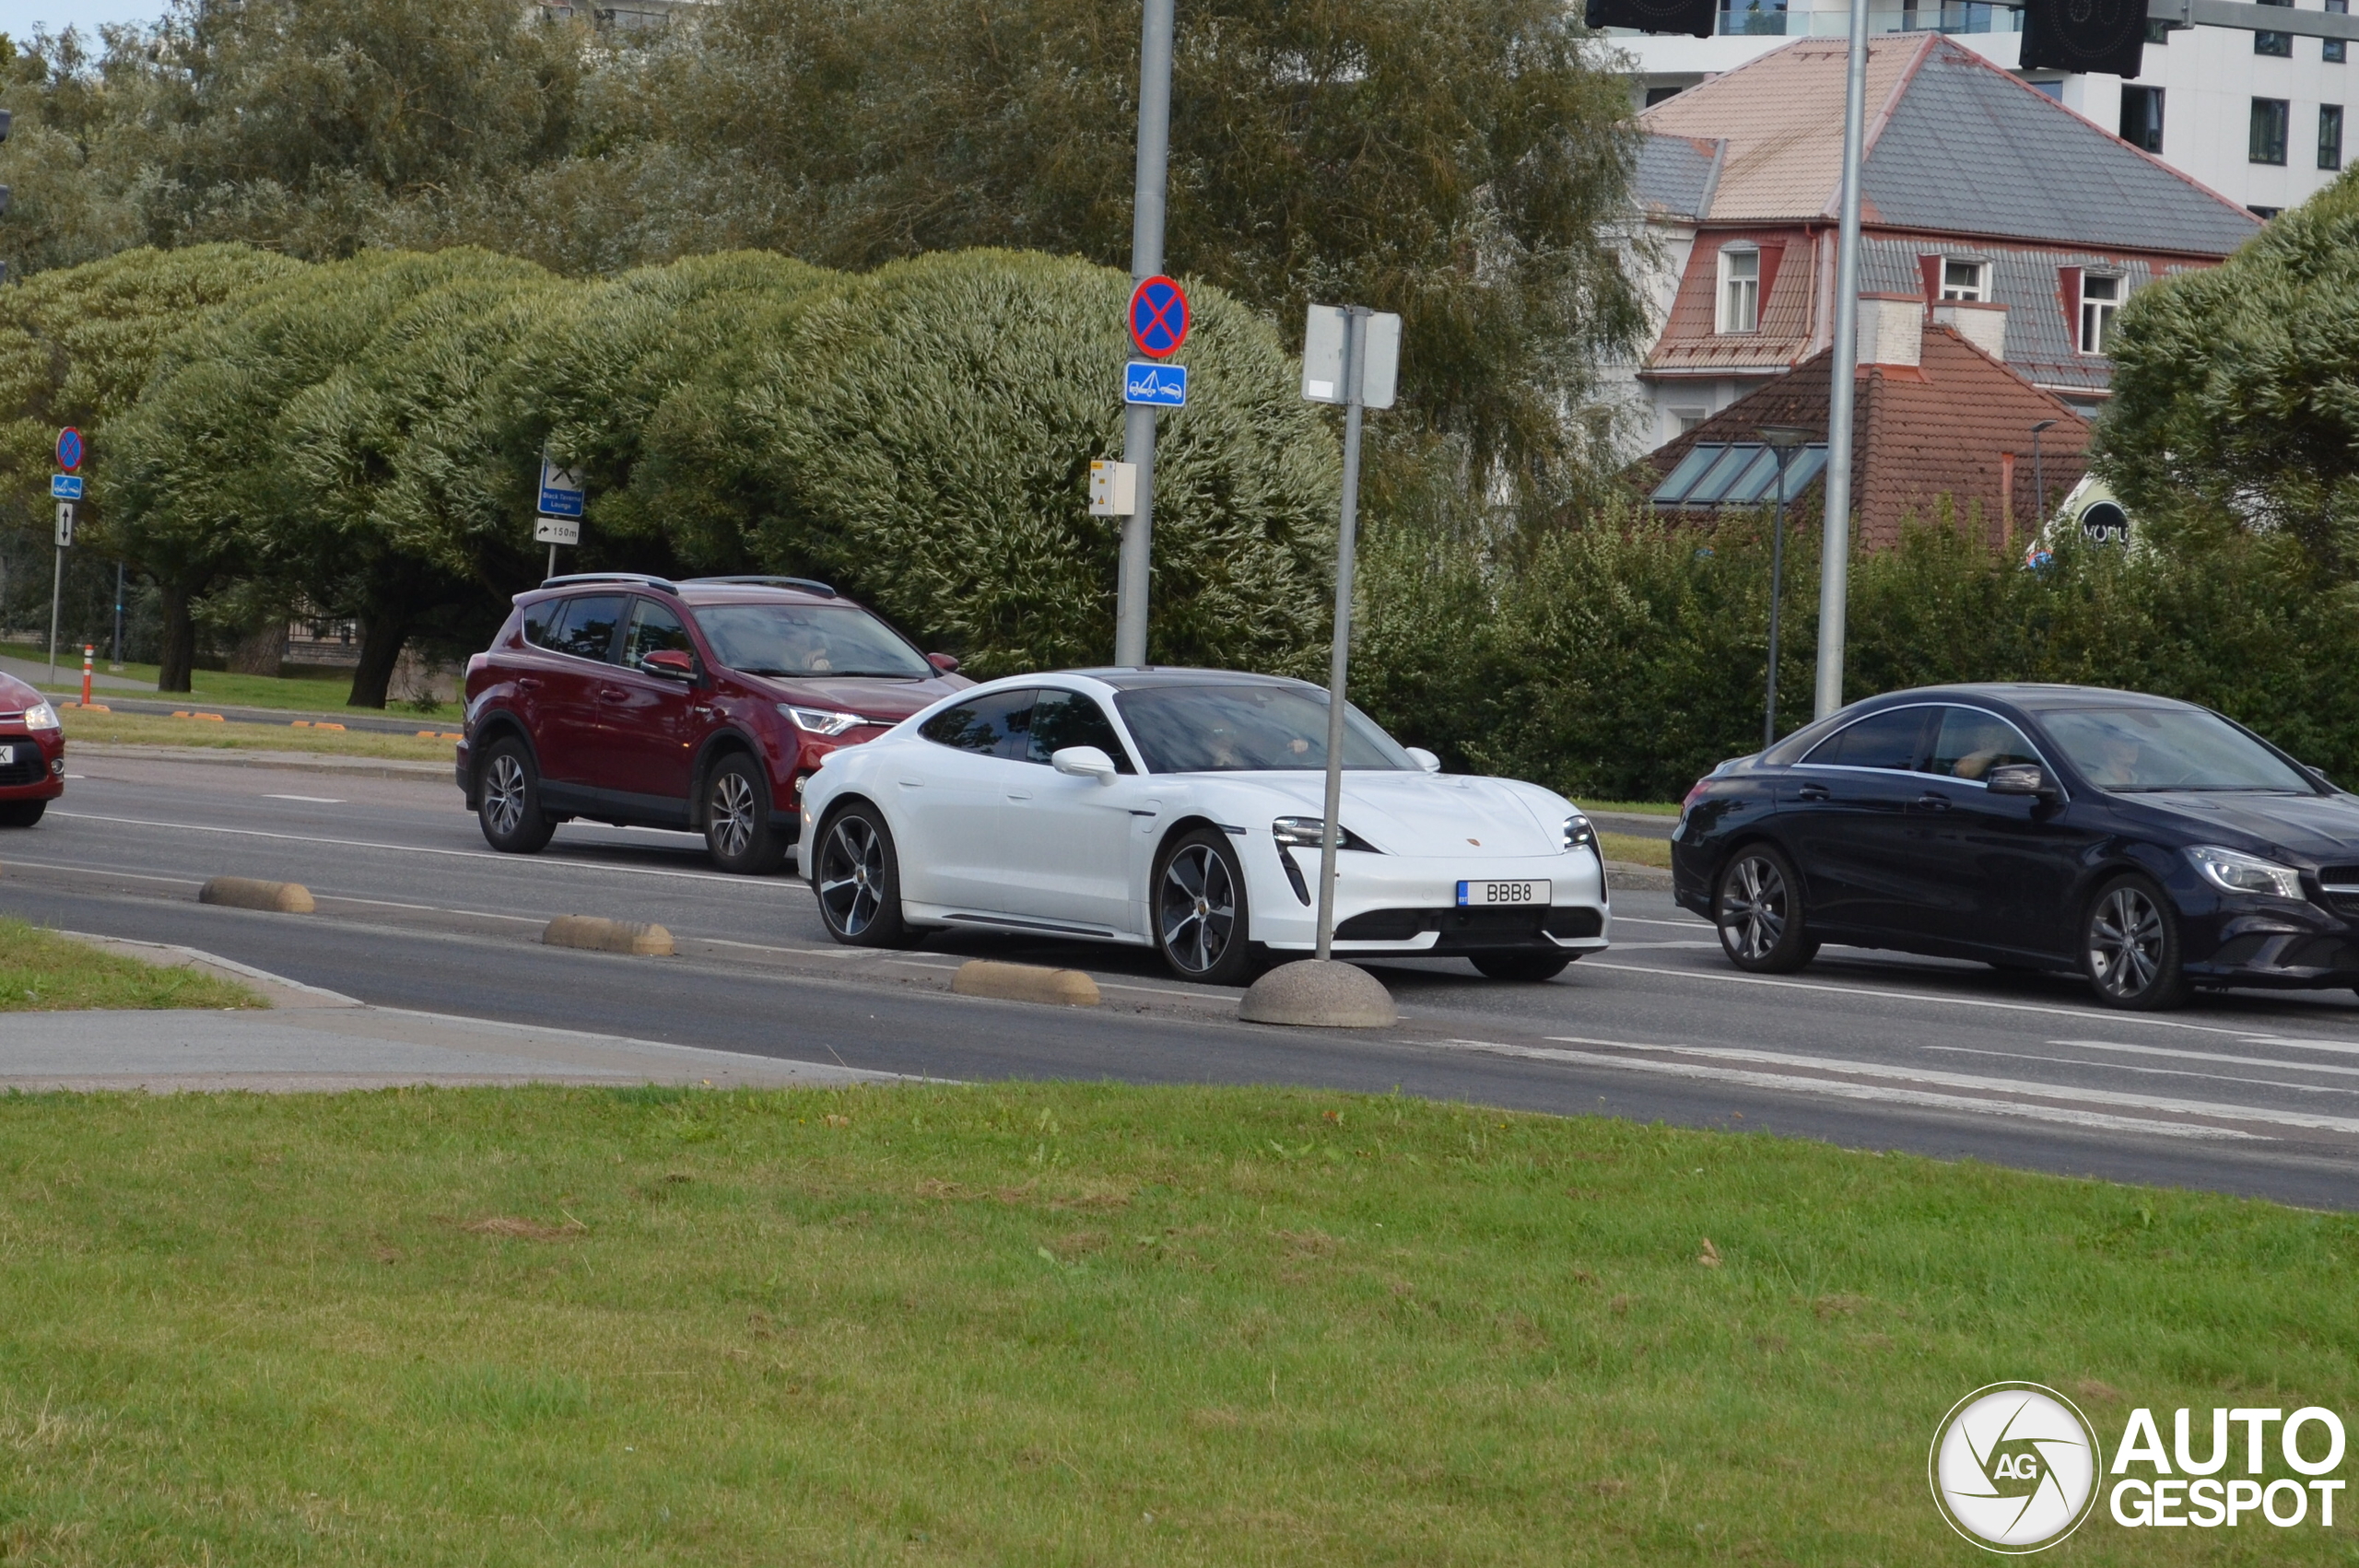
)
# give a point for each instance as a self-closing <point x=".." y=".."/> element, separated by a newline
<point x="752" y="884"/>
<point x="307" y="800"/>
<point x="2308" y="1119"/>
<point x="1835" y="1089"/>
<point x="1688" y="925"/>
<point x="1644" y="946"/>
<point x="2152" y="1071"/>
<point x="1880" y="993"/>
<point x="2234" y="1060"/>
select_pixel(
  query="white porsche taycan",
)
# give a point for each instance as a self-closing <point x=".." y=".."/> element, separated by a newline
<point x="1181" y="809"/>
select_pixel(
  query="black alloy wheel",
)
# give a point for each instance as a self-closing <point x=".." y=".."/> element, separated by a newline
<point x="1759" y="913"/>
<point x="1521" y="965"/>
<point x="739" y="831"/>
<point x="21" y="813"/>
<point x="1202" y="924"/>
<point x="2130" y="946"/>
<point x="507" y="800"/>
<point x="859" y="879"/>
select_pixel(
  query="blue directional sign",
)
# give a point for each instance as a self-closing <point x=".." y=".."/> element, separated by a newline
<point x="560" y="491"/>
<point x="1157" y="386"/>
<point x="65" y="487"/>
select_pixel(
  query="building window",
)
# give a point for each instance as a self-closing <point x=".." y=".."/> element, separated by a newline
<point x="1740" y="290"/>
<point x="2142" y="117"/>
<point x="1656" y="94"/>
<point x="2278" y="43"/>
<point x="2269" y="116"/>
<point x="1685" y="419"/>
<point x="2264" y="214"/>
<point x="2100" y="298"/>
<point x="2157" y="31"/>
<point x="2329" y="135"/>
<point x="2052" y="86"/>
<point x="1964" y="280"/>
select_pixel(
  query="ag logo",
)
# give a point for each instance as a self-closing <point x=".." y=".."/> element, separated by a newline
<point x="2014" y="1467"/>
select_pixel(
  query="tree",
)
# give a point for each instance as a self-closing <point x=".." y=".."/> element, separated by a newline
<point x="2234" y="401"/>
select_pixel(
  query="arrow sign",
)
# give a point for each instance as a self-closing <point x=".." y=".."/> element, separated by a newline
<point x="69" y="448"/>
<point x="1159" y="317"/>
<point x="66" y="486"/>
<point x="1156" y="386"/>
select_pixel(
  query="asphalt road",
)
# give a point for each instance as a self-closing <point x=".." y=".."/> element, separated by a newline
<point x="2247" y="1093"/>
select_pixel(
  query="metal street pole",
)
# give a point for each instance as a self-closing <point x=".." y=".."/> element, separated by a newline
<point x="116" y="662"/>
<point x="2039" y="482"/>
<point x="1339" y="657"/>
<point x="1835" y="561"/>
<point x="56" y="586"/>
<point x="1146" y="260"/>
<point x="1782" y="439"/>
<point x="552" y="571"/>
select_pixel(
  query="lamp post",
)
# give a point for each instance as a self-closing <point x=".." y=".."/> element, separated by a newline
<point x="2038" y="483"/>
<point x="1134" y="568"/>
<point x="1783" y="439"/>
<point x="1835" y="561"/>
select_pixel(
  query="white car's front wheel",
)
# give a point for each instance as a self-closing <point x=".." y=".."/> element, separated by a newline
<point x="1200" y="917"/>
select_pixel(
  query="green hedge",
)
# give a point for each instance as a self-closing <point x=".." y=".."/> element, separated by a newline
<point x="1622" y="662"/>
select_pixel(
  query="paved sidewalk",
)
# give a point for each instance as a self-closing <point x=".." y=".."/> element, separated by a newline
<point x="69" y="672"/>
<point x="313" y="1039"/>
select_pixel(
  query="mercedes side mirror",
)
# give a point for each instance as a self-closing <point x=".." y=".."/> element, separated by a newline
<point x="1425" y="759"/>
<point x="1083" y="762"/>
<point x="671" y="664"/>
<point x="946" y="662"/>
<point x="2017" y="779"/>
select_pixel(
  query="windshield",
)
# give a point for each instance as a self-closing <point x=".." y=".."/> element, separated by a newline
<point x="2134" y="749"/>
<point x="1247" y="728"/>
<point x="808" y="640"/>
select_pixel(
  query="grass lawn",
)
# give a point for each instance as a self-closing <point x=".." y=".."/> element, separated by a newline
<point x="309" y="695"/>
<point x="1649" y="808"/>
<point x="1022" y="1325"/>
<point x="1636" y="849"/>
<point x="40" y="971"/>
<point x="157" y="730"/>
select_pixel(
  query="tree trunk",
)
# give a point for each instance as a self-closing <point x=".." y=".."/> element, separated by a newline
<point x="180" y="640"/>
<point x="381" y="645"/>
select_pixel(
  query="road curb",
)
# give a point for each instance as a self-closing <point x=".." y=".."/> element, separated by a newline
<point x="246" y="893"/>
<point x="598" y="935"/>
<point x="1624" y="876"/>
<point x="1025" y="982"/>
<point x="277" y="990"/>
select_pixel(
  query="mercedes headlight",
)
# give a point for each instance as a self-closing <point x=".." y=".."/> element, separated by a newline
<point x="2239" y="873"/>
<point x="1303" y="833"/>
<point x="40" y="716"/>
<point x="821" y="720"/>
<point x="1576" y="834"/>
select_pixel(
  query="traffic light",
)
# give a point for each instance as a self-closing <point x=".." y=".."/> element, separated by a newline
<point x="2104" y="36"/>
<point x="1656" y="15"/>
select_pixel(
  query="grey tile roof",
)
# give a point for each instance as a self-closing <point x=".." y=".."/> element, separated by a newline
<point x="1969" y="149"/>
<point x="1676" y="173"/>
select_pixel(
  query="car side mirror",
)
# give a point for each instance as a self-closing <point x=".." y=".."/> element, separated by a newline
<point x="1083" y="762"/>
<point x="671" y="664"/>
<point x="946" y="662"/>
<point x="2017" y="779"/>
<point x="1425" y="759"/>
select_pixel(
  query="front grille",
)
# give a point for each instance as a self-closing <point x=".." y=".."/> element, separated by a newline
<point x="1381" y="925"/>
<point x="2342" y="886"/>
<point x="28" y="768"/>
<point x="1573" y="922"/>
<point x="1511" y="924"/>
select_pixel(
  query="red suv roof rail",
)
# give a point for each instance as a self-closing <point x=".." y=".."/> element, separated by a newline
<point x="808" y="585"/>
<point x="644" y="579"/>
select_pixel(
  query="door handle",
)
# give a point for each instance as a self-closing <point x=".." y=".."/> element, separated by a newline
<point x="1013" y="796"/>
<point x="1816" y="792"/>
<point x="1932" y="803"/>
<point x="528" y="682"/>
<point x="608" y="693"/>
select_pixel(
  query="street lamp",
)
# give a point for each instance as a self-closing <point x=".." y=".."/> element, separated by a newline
<point x="2038" y="483"/>
<point x="1784" y="439"/>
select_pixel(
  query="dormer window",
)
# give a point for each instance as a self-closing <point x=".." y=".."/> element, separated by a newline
<point x="2100" y="299"/>
<point x="1964" y="280"/>
<point x="1740" y="291"/>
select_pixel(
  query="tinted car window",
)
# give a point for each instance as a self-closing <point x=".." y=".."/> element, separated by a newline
<point x="586" y="630"/>
<point x="1071" y="719"/>
<point x="1971" y="743"/>
<point x="2167" y="748"/>
<point x="653" y="628"/>
<point x="1881" y="739"/>
<point x="997" y="725"/>
<point x="541" y="620"/>
<point x="1248" y="728"/>
<point x="837" y="640"/>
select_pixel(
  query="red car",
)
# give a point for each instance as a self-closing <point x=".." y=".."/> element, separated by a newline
<point x="700" y="705"/>
<point x="33" y="754"/>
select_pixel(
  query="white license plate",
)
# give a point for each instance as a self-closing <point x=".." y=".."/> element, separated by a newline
<point x="1484" y="894"/>
<point x="7" y="755"/>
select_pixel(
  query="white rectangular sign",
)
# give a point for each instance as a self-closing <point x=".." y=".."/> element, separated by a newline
<point x="558" y="530"/>
<point x="1113" y="488"/>
<point x="1322" y="358"/>
<point x="65" y="525"/>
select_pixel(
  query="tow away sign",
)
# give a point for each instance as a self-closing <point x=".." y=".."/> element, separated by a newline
<point x="1156" y="386"/>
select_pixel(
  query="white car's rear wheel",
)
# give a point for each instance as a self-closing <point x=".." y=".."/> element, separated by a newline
<point x="1202" y="922"/>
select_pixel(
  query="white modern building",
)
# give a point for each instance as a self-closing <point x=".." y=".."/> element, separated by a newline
<point x="2260" y="118"/>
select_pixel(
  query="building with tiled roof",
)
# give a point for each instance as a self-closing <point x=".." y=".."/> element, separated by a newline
<point x="1942" y="431"/>
<point x="2012" y="219"/>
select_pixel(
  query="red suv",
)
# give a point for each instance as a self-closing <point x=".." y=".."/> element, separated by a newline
<point x="700" y="705"/>
<point x="33" y="754"/>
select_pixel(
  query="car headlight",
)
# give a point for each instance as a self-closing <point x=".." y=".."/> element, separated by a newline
<point x="40" y="716"/>
<point x="2240" y="872"/>
<point x="1304" y="833"/>
<point x="1578" y="834"/>
<point x="821" y="720"/>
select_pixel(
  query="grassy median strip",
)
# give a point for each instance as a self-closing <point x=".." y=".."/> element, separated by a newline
<point x="157" y="730"/>
<point x="302" y="693"/>
<point x="1636" y="849"/>
<point x="42" y="972"/>
<point x="1070" y="1324"/>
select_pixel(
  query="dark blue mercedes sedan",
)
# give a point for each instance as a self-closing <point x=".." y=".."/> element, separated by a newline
<point x="2150" y="845"/>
